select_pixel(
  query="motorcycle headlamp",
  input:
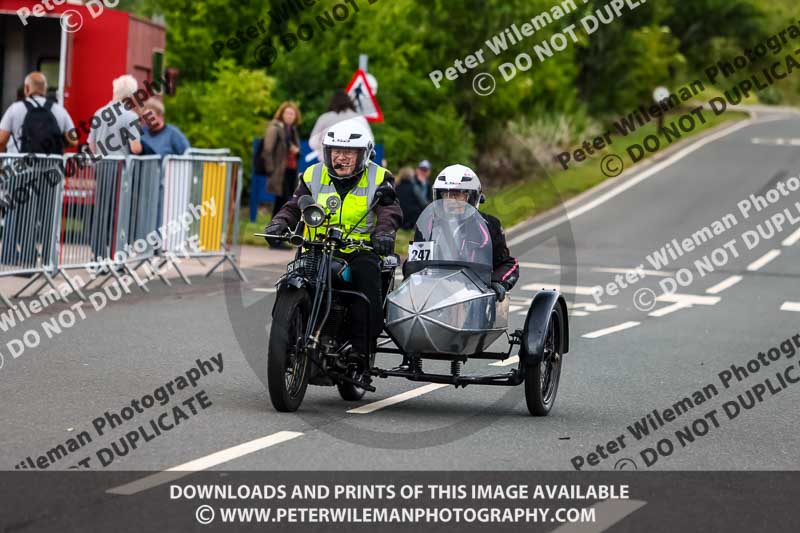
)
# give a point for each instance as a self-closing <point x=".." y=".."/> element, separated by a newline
<point x="314" y="216"/>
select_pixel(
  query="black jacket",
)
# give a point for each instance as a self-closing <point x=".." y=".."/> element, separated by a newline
<point x="506" y="268"/>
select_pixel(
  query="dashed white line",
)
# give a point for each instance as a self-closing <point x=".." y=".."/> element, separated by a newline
<point x="724" y="284"/>
<point x="664" y="311"/>
<point x="612" y="329"/>
<point x="691" y="299"/>
<point x="657" y="273"/>
<point x="387" y="402"/>
<point x="761" y="262"/>
<point x="203" y="463"/>
<point x="792" y="239"/>
<point x="791" y="306"/>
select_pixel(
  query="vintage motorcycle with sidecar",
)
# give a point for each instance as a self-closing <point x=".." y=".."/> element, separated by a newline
<point x="444" y="310"/>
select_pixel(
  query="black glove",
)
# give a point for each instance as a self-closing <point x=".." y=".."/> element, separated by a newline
<point x="276" y="227"/>
<point x="500" y="290"/>
<point x="383" y="243"/>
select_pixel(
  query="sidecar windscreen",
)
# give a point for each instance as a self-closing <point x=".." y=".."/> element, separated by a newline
<point x="451" y="233"/>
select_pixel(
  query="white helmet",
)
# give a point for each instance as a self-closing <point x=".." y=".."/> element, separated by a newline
<point x="352" y="133"/>
<point x="459" y="178"/>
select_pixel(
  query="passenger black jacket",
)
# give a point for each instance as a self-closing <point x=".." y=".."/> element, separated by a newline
<point x="505" y="267"/>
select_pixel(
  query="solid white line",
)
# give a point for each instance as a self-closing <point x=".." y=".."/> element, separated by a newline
<point x="792" y="239"/>
<point x="603" y="198"/>
<point x="508" y="362"/>
<point x="204" y="463"/>
<point x="725" y="284"/>
<point x="609" y="331"/>
<point x="388" y="402"/>
<point x="791" y="306"/>
<point x="265" y="290"/>
<point x="664" y="311"/>
<point x="760" y="263"/>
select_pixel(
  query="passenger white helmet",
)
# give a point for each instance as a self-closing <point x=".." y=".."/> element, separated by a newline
<point x="458" y="178"/>
<point x="352" y="133"/>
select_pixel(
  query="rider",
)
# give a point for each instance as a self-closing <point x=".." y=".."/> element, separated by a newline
<point x="458" y="182"/>
<point x="348" y="174"/>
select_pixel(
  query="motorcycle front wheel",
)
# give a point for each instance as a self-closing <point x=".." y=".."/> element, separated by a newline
<point x="288" y="366"/>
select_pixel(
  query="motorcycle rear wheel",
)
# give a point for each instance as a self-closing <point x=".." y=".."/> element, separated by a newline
<point x="288" y="368"/>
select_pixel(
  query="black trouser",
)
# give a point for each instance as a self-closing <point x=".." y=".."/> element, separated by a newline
<point x="365" y="271"/>
<point x="289" y="185"/>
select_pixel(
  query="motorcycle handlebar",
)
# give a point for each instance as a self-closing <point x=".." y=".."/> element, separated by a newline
<point x="346" y="243"/>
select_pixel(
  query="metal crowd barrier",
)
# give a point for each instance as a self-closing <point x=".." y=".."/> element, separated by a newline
<point x="31" y="189"/>
<point x="196" y="180"/>
<point x="59" y="213"/>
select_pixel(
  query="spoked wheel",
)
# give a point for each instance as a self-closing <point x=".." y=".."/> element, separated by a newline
<point x="287" y="365"/>
<point x="541" y="380"/>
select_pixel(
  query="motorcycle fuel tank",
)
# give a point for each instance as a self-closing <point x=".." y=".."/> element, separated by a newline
<point x="444" y="311"/>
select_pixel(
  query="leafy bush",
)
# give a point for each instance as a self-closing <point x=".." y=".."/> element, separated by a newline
<point x="228" y="111"/>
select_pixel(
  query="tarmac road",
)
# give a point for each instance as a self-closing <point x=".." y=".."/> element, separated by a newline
<point x="623" y="363"/>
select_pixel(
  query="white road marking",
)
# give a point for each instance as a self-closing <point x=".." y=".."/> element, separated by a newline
<point x="609" y="331"/>
<point x="724" y="284"/>
<point x="515" y="308"/>
<point x="792" y="239"/>
<point x="387" y="402"/>
<point x="760" y="263"/>
<point x="541" y="266"/>
<point x="578" y="313"/>
<point x="203" y="463"/>
<point x="594" y="308"/>
<point x="658" y="273"/>
<point x="791" y="306"/>
<point x="508" y="362"/>
<point x="607" y="513"/>
<point x="776" y="142"/>
<point x="690" y="299"/>
<point x="664" y="311"/>
<point x="269" y="291"/>
<point x="622" y="187"/>
<point x="577" y="289"/>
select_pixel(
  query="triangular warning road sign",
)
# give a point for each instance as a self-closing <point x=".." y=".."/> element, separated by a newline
<point x="364" y="99"/>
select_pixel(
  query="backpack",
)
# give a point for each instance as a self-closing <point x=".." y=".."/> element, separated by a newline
<point x="40" y="131"/>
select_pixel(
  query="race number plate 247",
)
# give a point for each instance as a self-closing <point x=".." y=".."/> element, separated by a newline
<point x="420" y="251"/>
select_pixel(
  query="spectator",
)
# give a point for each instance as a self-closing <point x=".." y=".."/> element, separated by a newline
<point x="118" y="131"/>
<point x="158" y="136"/>
<point x="423" y="175"/>
<point x="410" y="196"/>
<point x="341" y="108"/>
<point x="281" y="152"/>
<point x="36" y="124"/>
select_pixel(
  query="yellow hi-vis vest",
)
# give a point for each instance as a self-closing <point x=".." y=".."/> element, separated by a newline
<point x="356" y="203"/>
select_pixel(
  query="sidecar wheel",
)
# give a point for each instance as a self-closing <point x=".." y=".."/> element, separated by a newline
<point x="349" y="392"/>
<point x="541" y="380"/>
<point x="287" y="368"/>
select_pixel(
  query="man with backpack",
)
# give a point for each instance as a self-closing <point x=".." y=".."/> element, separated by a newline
<point x="37" y="124"/>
